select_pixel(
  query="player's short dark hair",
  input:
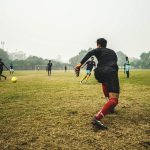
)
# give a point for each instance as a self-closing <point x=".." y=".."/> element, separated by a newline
<point x="102" y="42"/>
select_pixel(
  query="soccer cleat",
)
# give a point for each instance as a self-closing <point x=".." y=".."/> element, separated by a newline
<point x="5" y="78"/>
<point x="98" y="124"/>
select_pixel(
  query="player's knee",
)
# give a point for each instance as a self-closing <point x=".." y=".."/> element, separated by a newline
<point x="113" y="95"/>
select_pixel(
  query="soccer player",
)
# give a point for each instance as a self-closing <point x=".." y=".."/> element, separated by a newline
<point x="49" y="66"/>
<point x="38" y="67"/>
<point x="127" y="67"/>
<point x="65" y="68"/>
<point x="1" y="69"/>
<point x="11" y="68"/>
<point x="107" y="74"/>
<point x="89" y="66"/>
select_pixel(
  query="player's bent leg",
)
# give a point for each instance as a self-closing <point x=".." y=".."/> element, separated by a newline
<point x="113" y="101"/>
<point x="127" y="74"/>
<point x="83" y="78"/>
<point x="105" y="90"/>
<point x="113" y="95"/>
<point x="3" y="76"/>
<point x="87" y="77"/>
<point x="88" y="74"/>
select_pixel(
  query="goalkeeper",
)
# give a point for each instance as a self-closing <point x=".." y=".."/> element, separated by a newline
<point x="89" y="66"/>
<point x="107" y="74"/>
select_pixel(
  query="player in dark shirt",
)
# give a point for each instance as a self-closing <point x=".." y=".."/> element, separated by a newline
<point x="65" y="68"/>
<point x="49" y="66"/>
<point x="127" y="67"/>
<point x="89" y="66"/>
<point x="107" y="74"/>
<point x="11" y="68"/>
<point x="1" y="69"/>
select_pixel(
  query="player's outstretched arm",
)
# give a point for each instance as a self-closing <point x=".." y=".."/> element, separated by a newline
<point x="84" y="65"/>
<point x="87" y="56"/>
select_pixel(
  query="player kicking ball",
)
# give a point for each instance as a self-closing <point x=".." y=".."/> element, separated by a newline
<point x="107" y="74"/>
<point x="89" y="66"/>
<point x="1" y="69"/>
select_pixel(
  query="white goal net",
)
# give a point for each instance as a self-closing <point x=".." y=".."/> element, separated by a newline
<point x="40" y="67"/>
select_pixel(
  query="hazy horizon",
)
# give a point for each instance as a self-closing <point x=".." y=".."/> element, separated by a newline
<point x="60" y="29"/>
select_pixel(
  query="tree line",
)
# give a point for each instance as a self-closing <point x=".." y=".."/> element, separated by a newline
<point x="142" y="63"/>
<point x="30" y="62"/>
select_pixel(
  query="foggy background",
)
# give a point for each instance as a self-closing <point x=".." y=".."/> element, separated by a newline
<point x="59" y="29"/>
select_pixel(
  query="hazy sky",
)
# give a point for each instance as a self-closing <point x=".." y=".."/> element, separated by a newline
<point x="54" y="28"/>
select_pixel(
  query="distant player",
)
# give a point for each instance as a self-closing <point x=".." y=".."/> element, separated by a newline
<point x="106" y="73"/>
<point x="49" y="67"/>
<point x="127" y="67"/>
<point x="1" y="69"/>
<point x="38" y="68"/>
<point x="89" y="66"/>
<point x="11" y="69"/>
<point x="65" y="68"/>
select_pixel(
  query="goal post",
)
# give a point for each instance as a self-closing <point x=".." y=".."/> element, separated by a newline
<point x="40" y="67"/>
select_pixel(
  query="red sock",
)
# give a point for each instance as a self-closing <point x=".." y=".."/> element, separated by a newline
<point x="104" y="87"/>
<point x="106" y="108"/>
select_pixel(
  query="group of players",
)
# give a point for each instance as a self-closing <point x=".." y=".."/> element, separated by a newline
<point x="105" y="73"/>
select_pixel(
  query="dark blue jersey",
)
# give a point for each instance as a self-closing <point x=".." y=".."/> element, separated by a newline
<point x="11" y="66"/>
<point x="90" y="64"/>
<point x="49" y="65"/>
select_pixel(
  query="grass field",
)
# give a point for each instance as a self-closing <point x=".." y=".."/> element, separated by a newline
<point x="41" y="112"/>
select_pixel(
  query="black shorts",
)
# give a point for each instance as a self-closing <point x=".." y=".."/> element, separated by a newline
<point x="109" y="76"/>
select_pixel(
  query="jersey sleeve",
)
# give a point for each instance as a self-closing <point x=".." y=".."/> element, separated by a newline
<point x="87" y="62"/>
<point x="87" y="56"/>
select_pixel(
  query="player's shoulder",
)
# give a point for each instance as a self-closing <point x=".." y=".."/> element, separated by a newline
<point x="111" y="50"/>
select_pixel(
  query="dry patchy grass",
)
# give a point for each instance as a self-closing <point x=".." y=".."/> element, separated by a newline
<point x="41" y="112"/>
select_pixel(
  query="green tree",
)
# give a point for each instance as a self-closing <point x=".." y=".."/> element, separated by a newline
<point x="121" y="58"/>
<point x="76" y="59"/>
<point x="145" y="60"/>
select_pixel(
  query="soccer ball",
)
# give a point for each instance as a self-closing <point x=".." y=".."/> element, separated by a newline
<point x="13" y="79"/>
